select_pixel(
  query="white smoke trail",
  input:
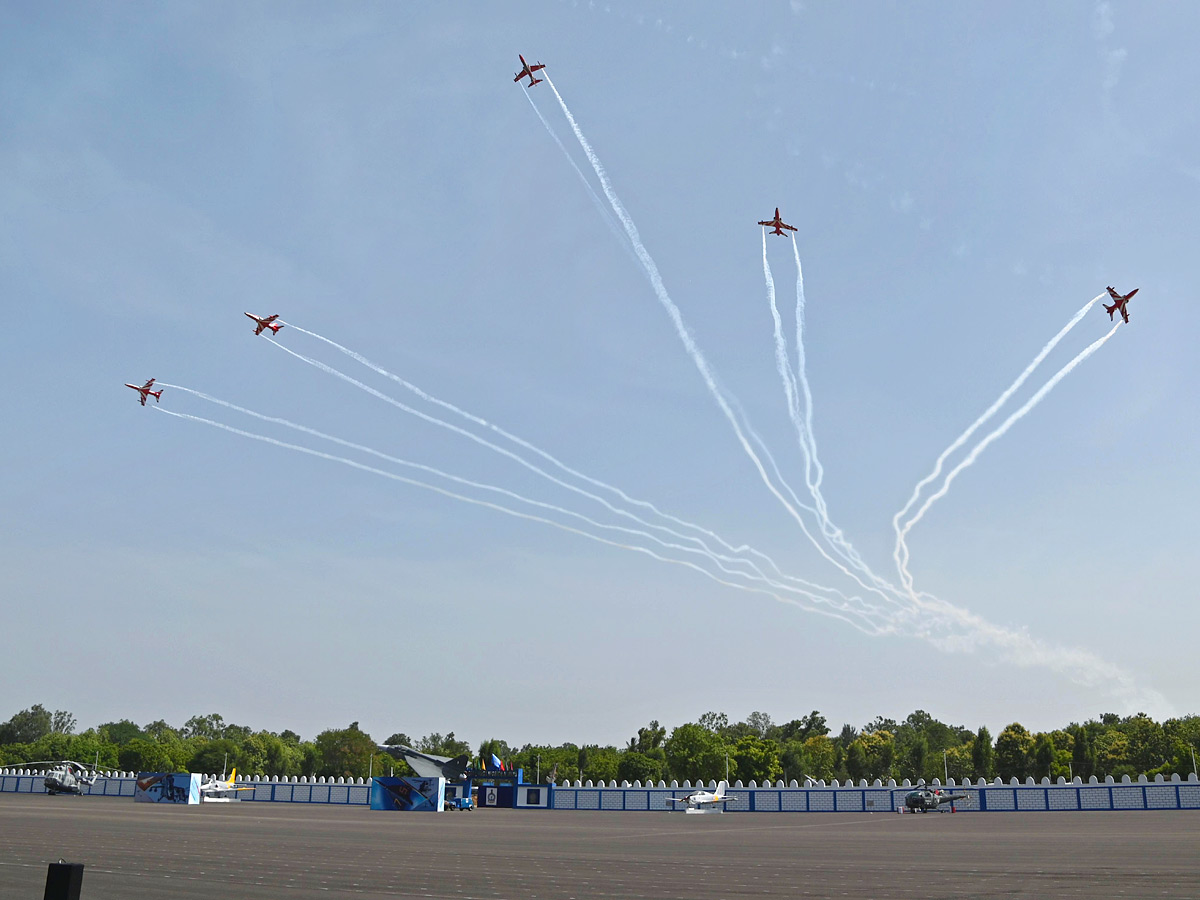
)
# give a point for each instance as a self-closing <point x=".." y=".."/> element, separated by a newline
<point x="800" y="583"/>
<point x="685" y="336"/>
<point x="901" y="550"/>
<point x="643" y="504"/>
<point x="802" y="422"/>
<point x="802" y="373"/>
<point x="781" y="357"/>
<point x="1083" y="668"/>
<point x="599" y="204"/>
<point x="717" y="560"/>
<point x="993" y="436"/>
<point x="792" y="601"/>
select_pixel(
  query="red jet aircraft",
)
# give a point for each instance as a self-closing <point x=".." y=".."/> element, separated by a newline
<point x="144" y="390"/>
<point x="265" y="323"/>
<point x="777" y="224"/>
<point x="1119" y="301"/>
<point x="527" y="69"/>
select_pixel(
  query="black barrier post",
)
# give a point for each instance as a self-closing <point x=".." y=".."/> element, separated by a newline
<point x="63" y="881"/>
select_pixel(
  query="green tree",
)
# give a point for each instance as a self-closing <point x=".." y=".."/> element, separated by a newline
<point x="562" y="762"/>
<point x="1183" y="739"/>
<point x="310" y="758"/>
<point x="812" y="725"/>
<point x="819" y="757"/>
<point x="648" y="739"/>
<point x="918" y="755"/>
<point x="210" y="727"/>
<point x="1013" y="750"/>
<point x="1148" y="744"/>
<point x="635" y="766"/>
<point x="88" y="748"/>
<point x="438" y="745"/>
<point x="51" y="746"/>
<point x="1112" y="754"/>
<point x="715" y="722"/>
<point x="252" y="753"/>
<point x="981" y="754"/>
<point x="141" y="755"/>
<point x="759" y="723"/>
<point x="346" y="752"/>
<point x="160" y="731"/>
<point x="695" y="752"/>
<point x="793" y="760"/>
<point x="1083" y="756"/>
<point x="856" y="760"/>
<point x="1044" y="756"/>
<point x="880" y="749"/>
<point x="755" y="758"/>
<point x="216" y="756"/>
<point x="27" y="726"/>
<point x="601" y="763"/>
<point x="959" y="762"/>
<point x="119" y="733"/>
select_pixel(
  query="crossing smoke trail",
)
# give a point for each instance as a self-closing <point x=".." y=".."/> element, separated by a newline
<point x="520" y="442"/>
<point x="1018" y="647"/>
<point x="844" y="606"/>
<point x="900" y="554"/>
<point x="689" y="343"/>
<point x="812" y="460"/>
<point x="792" y="601"/>
<point x="781" y="359"/>
<point x="997" y="433"/>
<point x="804" y="432"/>
<point x="973" y="631"/>
<point x="794" y="583"/>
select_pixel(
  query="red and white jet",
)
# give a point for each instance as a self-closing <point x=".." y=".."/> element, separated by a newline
<point x="777" y="224"/>
<point x="145" y="391"/>
<point x="266" y="323"/>
<point x="527" y="69"/>
<point x="1119" y="301"/>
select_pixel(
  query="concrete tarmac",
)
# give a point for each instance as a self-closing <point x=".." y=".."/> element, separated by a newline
<point x="300" y="851"/>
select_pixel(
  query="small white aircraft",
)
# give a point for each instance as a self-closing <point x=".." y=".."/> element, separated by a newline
<point x="702" y="799"/>
<point x="218" y="790"/>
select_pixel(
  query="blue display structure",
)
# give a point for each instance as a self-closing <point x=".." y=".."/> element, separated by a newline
<point x="167" y="787"/>
<point x="408" y="794"/>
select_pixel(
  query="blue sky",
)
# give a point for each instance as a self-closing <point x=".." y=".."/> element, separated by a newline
<point x="964" y="178"/>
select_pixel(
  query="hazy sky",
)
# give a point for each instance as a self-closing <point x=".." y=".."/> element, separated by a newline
<point x="964" y="178"/>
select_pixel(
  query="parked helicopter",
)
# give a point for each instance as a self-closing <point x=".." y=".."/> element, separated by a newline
<point x="925" y="798"/>
<point x="65" y="776"/>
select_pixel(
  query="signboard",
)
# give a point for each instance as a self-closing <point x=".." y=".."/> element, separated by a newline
<point x="167" y="787"/>
<point x="408" y="794"/>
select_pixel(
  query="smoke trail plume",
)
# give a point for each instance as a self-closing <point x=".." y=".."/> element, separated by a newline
<point x="520" y="442"/>
<point x="901" y="550"/>
<point x="689" y="343"/>
<point x="1007" y="424"/>
<point x="851" y="617"/>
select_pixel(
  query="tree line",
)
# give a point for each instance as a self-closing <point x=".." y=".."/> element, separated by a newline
<point x="755" y="749"/>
